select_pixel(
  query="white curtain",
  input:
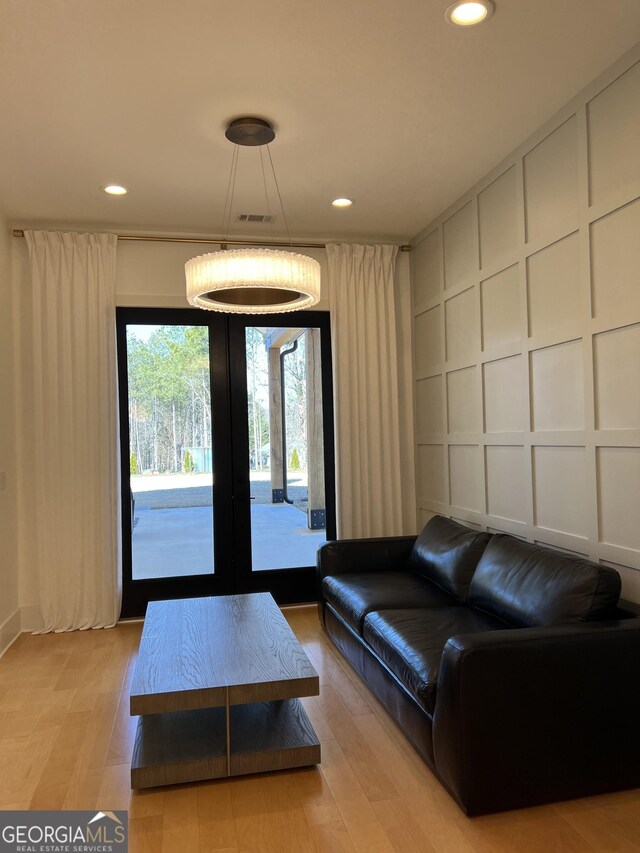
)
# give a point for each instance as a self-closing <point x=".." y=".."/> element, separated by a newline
<point x="69" y="443"/>
<point x="369" y="467"/>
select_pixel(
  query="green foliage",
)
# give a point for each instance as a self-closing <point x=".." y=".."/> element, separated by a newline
<point x="169" y="394"/>
<point x="257" y="402"/>
<point x="294" y="464"/>
<point x="133" y="464"/>
<point x="170" y="398"/>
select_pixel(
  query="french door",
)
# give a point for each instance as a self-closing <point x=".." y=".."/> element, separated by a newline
<point x="227" y="461"/>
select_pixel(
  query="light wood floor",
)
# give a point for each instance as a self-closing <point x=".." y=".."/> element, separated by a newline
<point x="66" y="739"/>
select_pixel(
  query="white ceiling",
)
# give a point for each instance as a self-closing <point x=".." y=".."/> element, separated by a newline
<point x="378" y="100"/>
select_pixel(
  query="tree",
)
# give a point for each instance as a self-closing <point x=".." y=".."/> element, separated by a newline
<point x="295" y="400"/>
<point x="294" y="464"/>
<point x="133" y="464"/>
<point x="169" y="395"/>
<point x="257" y="387"/>
<point x="188" y="466"/>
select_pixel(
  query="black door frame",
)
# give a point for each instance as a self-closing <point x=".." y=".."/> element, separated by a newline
<point x="231" y="500"/>
<point x="276" y="581"/>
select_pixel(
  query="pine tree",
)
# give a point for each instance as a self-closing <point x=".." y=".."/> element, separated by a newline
<point x="188" y="466"/>
<point x="294" y="464"/>
<point x="133" y="464"/>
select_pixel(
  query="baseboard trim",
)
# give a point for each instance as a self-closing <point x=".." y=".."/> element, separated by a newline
<point x="10" y="630"/>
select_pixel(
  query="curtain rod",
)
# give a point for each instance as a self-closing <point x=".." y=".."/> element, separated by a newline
<point x="19" y="232"/>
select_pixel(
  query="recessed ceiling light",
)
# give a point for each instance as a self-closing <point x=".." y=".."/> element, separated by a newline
<point x="114" y="189"/>
<point x="466" y="13"/>
<point x="342" y="202"/>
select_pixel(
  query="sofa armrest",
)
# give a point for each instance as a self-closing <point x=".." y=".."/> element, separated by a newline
<point x="536" y="715"/>
<point x="381" y="554"/>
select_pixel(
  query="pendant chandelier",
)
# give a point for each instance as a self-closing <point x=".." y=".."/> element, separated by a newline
<point x="258" y="280"/>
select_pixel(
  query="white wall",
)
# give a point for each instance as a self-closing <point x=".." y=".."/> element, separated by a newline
<point x="526" y="298"/>
<point x="9" y="614"/>
<point x="152" y="274"/>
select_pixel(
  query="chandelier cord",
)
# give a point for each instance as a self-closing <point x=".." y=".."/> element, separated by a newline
<point x="266" y="194"/>
<point x="228" y="201"/>
<point x="284" y="215"/>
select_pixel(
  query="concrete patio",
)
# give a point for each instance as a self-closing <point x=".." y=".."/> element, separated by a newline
<point x="178" y="541"/>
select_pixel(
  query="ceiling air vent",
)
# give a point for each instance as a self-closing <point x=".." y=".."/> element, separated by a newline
<point x="256" y="217"/>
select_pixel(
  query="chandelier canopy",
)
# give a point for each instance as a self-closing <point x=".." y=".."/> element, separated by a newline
<point x="257" y="280"/>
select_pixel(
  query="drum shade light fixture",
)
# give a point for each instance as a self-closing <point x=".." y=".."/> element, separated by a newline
<point x="258" y="280"/>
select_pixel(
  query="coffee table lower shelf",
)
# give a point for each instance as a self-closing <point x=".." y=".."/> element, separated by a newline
<point x="190" y="746"/>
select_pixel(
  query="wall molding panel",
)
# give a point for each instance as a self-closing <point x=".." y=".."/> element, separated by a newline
<point x="526" y="305"/>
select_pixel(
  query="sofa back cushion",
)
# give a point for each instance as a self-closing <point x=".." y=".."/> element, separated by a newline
<point x="447" y="553"/>
<point x="526" y="585"/>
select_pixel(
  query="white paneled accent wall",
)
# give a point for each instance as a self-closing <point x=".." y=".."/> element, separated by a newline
<point x="526" y="298"/>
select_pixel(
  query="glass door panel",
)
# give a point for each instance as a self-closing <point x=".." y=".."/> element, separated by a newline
<point x="286" y="450"/>
<point x="226" y="453"/>
<point x="170" y="444"/>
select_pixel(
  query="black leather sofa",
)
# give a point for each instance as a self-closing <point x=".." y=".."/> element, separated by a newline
<point x="514" y="670"/>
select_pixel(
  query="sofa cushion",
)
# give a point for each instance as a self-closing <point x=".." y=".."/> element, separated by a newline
<point x="527" y="586"/>
<point x="447" y="553"/>
<point x="411" y="642"/>
<point x="354" y="594"/>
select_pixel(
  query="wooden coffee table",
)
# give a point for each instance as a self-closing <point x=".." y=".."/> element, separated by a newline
<point x="216" y="686"/>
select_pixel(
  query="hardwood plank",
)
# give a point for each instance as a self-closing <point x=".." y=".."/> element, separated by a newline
<point x="180" y="832"/>
<point x="124" y="729"/>
<point x="22" y="760"/>
<point x="350" y="689"/>
<point x="250" y="817"/>
<point x="57" y="771"/>
<point x="318" y="720"/>
<point x="115" y="790"/>
<point x="437" y="816"/>
<point x="402" y="830"/>
<point x="146" y="803"/>
<point x="145" y="834"/>
<point x="613" y="807"/>
<point x="603" y="835"/>
<point x="215" y="818"/>
<point x="58" y="705"/>
<point x="308" y="788"/>
<point x="533" y="830"/>
<point x="18" y="723"/>
<point x="288" y="825"/>
<point x="406" y="770"/>
<point x="85" y="781"/>
<point x="358" y="751"/>
<point x="630" y="828"/>
<point x="332" y="837"/>
<point x="365" y="830"/>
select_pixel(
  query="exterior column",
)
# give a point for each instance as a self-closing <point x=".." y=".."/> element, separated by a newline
<point x="275" y="426"/>
<point x="316" y="511"/>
